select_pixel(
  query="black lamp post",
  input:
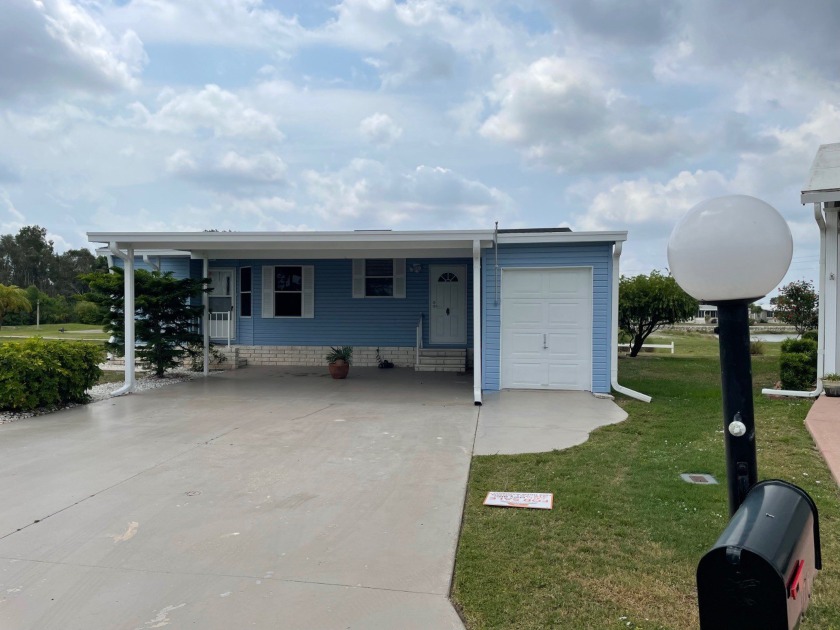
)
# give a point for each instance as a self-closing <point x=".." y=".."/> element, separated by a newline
<point x="730" y="251"/>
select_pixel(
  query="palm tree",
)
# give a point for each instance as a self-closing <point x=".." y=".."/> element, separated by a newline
<point x="12" y="300"/>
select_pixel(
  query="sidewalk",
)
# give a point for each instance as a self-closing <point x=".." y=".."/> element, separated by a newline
<point x="823" y="422"/>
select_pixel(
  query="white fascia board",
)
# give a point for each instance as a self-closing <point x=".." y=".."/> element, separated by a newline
<point x="313" y="253"/>
<point x="562" y="237"/>
<point x="139" y="253"/>
<point x="820" y="196"/>
<point x="231" y="240"/>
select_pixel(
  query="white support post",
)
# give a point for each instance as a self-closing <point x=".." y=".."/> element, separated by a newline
<point x="128" y="317"/>
<point x="829" y="294"/>
<point x="477" y="360"/>
<point x="205" y="300"/>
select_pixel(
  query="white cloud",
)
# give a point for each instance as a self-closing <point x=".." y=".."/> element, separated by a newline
<point x="231" y="168"/>
<point x="211" y="108"/>
<point x="367" y="193"/>
<point x="380" y="130"/>
<point x="558" y="113"/>
<point x="12" y="219"/>
<point x="53" y="45"/>
<point x="641" y="201"/>
<point x="241" y="23"/>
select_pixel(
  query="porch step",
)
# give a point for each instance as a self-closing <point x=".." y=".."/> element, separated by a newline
<point x="441" y="360"/>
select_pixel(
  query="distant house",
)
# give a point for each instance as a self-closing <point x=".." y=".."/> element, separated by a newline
<point x="705" y="313"/>
<point x="525" y="309"/>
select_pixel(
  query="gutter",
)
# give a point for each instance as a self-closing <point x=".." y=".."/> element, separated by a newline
<point x="820" y="219"/>
<point x="614" y="350"/>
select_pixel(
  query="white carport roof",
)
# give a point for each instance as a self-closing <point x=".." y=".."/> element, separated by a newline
<point x="356" y="244"/>
<point x="823" y="183"/>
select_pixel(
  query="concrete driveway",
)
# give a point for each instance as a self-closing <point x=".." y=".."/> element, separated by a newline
<point x="265" y="498"/>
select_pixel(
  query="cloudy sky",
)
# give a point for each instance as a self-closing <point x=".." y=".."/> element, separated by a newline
<point x="412" y="114"/>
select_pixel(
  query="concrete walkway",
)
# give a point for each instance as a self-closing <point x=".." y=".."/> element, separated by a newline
<point x="264" y="498"/>
<point x="823" y="422"/>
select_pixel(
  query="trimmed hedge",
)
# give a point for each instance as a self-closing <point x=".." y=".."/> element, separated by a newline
<point x="798" y="364"/>
<point x="38" y="373"/>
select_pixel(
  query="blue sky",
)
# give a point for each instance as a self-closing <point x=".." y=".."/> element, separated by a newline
<point x="418" y="114"/>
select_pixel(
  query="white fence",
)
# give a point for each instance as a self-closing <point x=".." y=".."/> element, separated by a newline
<point x="663" y="346"/>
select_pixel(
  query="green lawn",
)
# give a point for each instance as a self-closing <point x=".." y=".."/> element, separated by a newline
<point x="71" y="331"/>
<point x="621" y="546"/>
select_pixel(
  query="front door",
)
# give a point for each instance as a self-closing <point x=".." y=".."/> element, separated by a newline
<point x="448" y="313"/>
<point x="221" y="304"/>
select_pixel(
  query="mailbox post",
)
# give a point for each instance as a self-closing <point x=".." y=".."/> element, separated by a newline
<point x="758" y="575"/>
<point x="718" y="254"/>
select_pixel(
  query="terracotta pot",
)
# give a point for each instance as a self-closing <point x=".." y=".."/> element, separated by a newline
<point x="339" y="369"/>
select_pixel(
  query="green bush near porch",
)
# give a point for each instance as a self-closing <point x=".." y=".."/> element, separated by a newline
<point x="38" y="373"/>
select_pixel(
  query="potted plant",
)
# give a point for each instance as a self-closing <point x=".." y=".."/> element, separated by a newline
<point x="831" y="384"/>
<point x="339" y="361"/>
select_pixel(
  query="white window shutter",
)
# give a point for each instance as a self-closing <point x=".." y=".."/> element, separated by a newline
<point x="268" y="291"/>
<point x="399" y="277"/>
<point x="358" y="277"/>
<point x="308" y="291"/>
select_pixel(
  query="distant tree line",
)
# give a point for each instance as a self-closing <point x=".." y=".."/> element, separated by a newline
<point x="28" y="261"/>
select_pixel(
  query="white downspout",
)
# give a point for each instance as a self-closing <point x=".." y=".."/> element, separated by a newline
<point x="148" y="261"/>
<point x="614" y="349"/>
<point x="205" y="300"/>
<point x="477" y="356"/>
<point x="128" y="316"/>
<point x="818" y="216"/>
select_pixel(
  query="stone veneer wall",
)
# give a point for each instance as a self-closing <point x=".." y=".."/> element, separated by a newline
<point x="363" y="356"/>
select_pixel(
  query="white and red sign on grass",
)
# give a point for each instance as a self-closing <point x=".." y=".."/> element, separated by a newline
<point x="532" y="500"/>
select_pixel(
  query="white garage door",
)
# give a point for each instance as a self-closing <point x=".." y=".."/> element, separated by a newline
<point x="546" y="330"/>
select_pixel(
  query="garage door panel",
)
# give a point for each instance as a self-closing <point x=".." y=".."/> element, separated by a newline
<point x="564" y="345"/>
<point x="525" y="313"/>
<point x="565" y="376"/>
<point x="527" y="374"/>
<point x="525" y="285"/>
<point x="565" y="314"/>
<point x="524" y="344"/>
<point x="566" y="285"/>
<point x="546" y="329"/>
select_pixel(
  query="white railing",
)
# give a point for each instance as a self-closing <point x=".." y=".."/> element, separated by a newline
<point x="418" y="341"/>
<point x="220" y="326"/>
<point x="664" y="346"/>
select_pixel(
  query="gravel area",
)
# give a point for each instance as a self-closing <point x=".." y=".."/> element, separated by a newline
<point x="102" y="392"/>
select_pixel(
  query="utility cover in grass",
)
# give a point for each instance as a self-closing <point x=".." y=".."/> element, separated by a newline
<point x="698" y="478"/>
<point x="533" y="500"/>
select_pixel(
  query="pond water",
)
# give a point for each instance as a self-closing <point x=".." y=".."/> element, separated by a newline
<point x="773" y="337"/>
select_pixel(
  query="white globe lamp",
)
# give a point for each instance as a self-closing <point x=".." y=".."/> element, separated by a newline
<point x="735" y="247"/>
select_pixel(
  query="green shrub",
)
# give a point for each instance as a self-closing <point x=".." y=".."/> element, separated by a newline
<point x="811" y="334"/>
<point x="798" y="364"/>
<point x="88" y="313"/>
<point x="39" y="373"/>
<point x="756" y="347"/>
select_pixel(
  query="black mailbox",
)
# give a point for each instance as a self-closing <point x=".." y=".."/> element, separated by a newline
<point x="759" y="573"/>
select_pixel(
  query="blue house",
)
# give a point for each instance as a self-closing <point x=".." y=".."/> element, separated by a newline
<point x="524" y="309"/>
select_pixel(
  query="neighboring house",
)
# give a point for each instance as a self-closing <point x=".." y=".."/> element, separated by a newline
<point x="705" y="313"/>
<point x="526" y="309"/>
<point x="823" y="191"/>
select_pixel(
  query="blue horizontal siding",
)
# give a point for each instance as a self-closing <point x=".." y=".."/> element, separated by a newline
<point x="595" y="255"/>
<point x="339" y="318"/>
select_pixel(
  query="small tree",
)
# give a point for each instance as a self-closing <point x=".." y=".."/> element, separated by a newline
<point x="12" y="300"/>
<point x="647" y="303"/>
<point x="165" y="321"/>
<point x="798" y="305"/>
